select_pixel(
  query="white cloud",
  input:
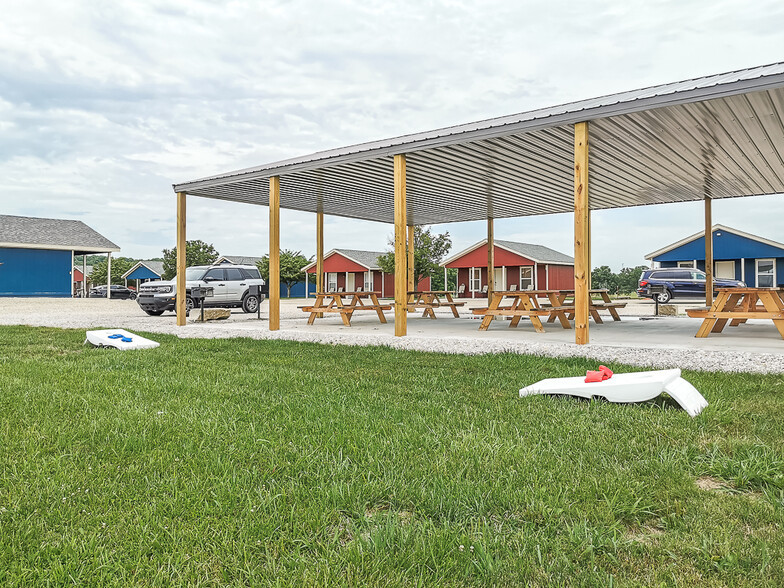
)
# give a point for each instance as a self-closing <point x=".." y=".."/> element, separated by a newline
<point x="113" y="102"/>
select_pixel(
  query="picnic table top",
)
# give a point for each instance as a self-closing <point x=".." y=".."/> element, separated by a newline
<point x="750" y="290"/>
<point x="350" y="293"/>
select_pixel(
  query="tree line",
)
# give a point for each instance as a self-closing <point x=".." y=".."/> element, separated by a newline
<point x="624" y="282"/>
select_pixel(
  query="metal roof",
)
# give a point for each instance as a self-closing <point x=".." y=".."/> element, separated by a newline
<point x="715" y="228"/>
<point x="720" y="135"/>
<point x="368" y="259"/>
<point x="27" y="232"/>
<point x="536" y="253"/>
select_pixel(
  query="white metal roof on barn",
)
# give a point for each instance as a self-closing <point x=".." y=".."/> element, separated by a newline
<point x="719" y="135"/>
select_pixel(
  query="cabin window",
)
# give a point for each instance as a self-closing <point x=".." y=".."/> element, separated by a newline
<point x="332" y="281"/>
<point x="368" y="281"/>
<point x="766" y="273"/>
<point x="526" y="277"/>
<point x="475" y="279"/>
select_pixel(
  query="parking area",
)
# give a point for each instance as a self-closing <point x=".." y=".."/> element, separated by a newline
<point x="638" y="339"/>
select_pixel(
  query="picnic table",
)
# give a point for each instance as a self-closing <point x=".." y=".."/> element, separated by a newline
<point x="430" y="299"/>
<point x="332" y="302"/>
<point x="737" y="305"/>
<point x="566" y="298"/>
<point x="557" y="305"/>
<point x="524" y="303"/>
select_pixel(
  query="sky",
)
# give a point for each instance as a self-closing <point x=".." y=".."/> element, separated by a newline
<point x="105" y="105"/>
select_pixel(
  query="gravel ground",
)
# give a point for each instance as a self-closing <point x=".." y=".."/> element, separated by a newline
<point x="449" y="336"/>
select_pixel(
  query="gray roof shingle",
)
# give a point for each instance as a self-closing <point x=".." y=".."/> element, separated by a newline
<point x="537" y="253"/>
<point x="241" y="259"/>
<point x="52" y="233"/>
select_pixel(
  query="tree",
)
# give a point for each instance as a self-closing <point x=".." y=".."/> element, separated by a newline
<point x="196" y="253"/>
<point x="429" y="249"/>
<point x="120" y="265"/>
<point x="628" y="278"/>
<point x="603" y="277"/>
<point x="291" y="264"/>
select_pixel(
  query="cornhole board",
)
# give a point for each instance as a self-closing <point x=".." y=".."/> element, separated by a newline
<point x="102" y="339"/>
<point x="626" y="388"/>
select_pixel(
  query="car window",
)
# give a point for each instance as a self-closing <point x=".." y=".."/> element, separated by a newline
<point x="697" y="276"/>
<point x="251" y="273"/>
<point x="215" y="274"/>
<point x="233" y="274"/>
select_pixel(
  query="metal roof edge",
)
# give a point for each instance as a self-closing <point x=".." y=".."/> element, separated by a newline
<point x="573" y="113"/>
<point x="80" y="248"/>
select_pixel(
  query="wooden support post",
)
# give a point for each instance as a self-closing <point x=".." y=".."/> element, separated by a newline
<point x="410" y="261"/>
<point x="490" y="259"/>
<point x="401" y="278"/>
<point x="274" y="254"/>
<point x="708" y="253"/>
<point x="84" y="275"/>
<point x="582" y="234"/>
<point x="182" y="246"/>
<point x="320" y="252"/>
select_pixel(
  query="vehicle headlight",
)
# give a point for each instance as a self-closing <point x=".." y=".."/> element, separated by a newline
<point x="157" y="289"/>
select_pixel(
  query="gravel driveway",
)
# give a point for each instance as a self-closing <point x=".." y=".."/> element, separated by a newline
<point x="660" y="343"/>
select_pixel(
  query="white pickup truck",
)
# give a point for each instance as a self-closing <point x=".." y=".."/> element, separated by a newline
<point x="229" y="284"/>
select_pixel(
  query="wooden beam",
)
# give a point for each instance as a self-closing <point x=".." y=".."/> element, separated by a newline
<point x="708" y="252"/>
<point x="582" y="234"/>
<point x="274" y="253"/>
<point x="410" y="262"/>
<point x="182" y="246"/>
<point x="319" y="252"/>
<point x="401" y="279"/>
<point x="490" y="258"/>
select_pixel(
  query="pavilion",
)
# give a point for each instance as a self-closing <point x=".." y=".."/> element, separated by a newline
<point x="719" y="136"/>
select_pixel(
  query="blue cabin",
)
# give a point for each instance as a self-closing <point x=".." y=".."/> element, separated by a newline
<point x="736" y="255"/>
<point x="36" y="254"/>
<point x="144" y="271"/>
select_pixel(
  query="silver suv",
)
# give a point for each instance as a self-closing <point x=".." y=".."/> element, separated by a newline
<point x="229" y="286"/>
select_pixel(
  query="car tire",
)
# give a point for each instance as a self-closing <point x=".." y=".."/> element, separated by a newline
<point x="154" y="312"/>
<point x="664" y="297"/>
<point x="250" y="303"/>
<point x="132" y="296"/>
<point x="189" y="304"/>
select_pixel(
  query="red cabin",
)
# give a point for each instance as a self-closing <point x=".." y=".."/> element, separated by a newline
<point x="518" y="266"/>
<point x="348" y="270"/>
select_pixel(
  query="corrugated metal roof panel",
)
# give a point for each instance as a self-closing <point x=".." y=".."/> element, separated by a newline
<point x="721" y="135"/>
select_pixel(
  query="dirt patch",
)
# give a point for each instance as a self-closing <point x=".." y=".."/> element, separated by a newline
<point x="645" y="534"/>
<point x="709" y="483"/>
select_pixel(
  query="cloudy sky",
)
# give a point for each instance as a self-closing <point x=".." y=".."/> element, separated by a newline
<point x="104" y="105"/>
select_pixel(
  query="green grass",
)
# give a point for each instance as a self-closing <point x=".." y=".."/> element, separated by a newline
<point x="240" y="462"/>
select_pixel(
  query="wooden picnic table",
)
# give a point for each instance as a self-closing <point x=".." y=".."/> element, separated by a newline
<point x="430" y="299"/>
<point x="737" y="305"/>
<point x="524" y="303"/>
<point x="347" y="310"/>
<point x="566" y="298"/>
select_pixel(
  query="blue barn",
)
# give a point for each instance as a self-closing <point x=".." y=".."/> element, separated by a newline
<point x="36" y="254"/>
<point x="737" y="255"/>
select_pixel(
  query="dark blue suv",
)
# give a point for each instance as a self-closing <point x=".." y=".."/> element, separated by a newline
<point x="680" y="282"/>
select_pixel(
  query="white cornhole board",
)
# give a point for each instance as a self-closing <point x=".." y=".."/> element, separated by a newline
<point x="632" y="387"/>
<point x="101" y="339"/>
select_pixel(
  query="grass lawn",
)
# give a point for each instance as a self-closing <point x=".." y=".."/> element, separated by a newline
<point x="240" y="462"/>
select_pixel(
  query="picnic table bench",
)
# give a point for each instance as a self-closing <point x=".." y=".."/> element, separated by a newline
<point x="346" y="311"/>
<point x="737" y="305"/>
<point x="431" y="299"/>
